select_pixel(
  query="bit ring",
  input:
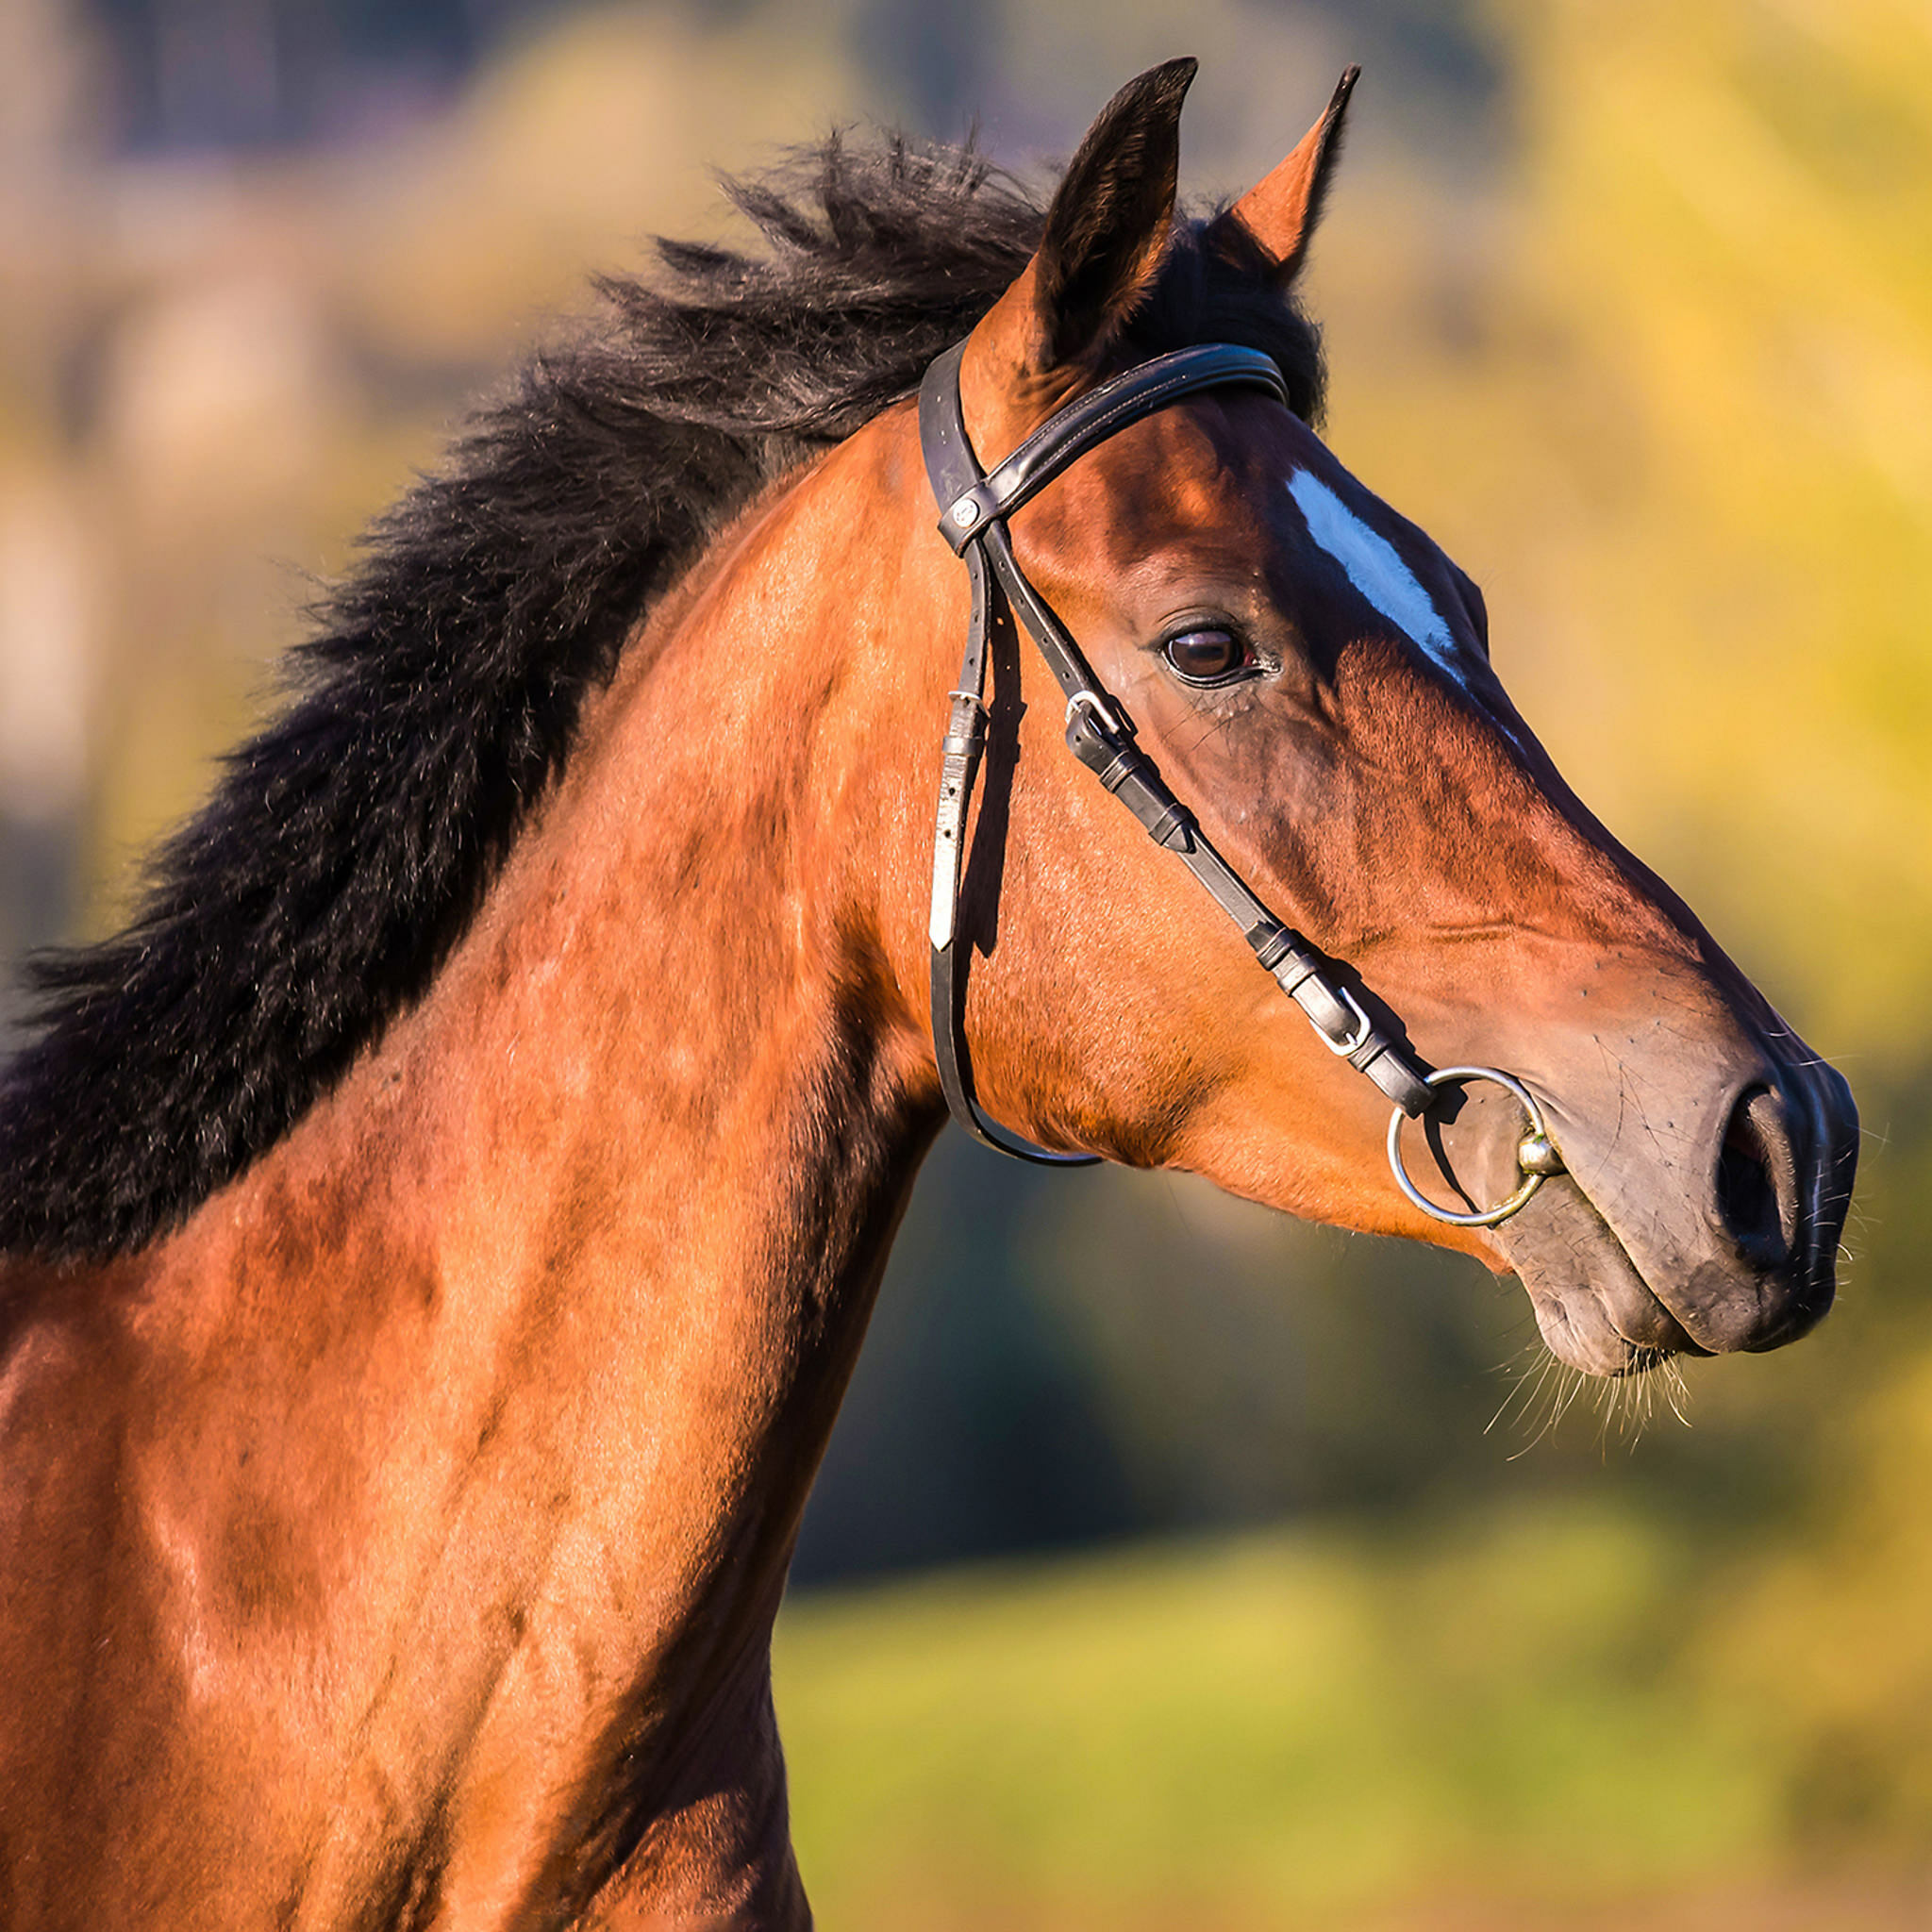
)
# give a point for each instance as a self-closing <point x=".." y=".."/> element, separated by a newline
<point x="1537" y="1158"/>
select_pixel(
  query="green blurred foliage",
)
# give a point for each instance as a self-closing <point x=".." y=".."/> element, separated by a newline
<point x="1271" y="1732"/>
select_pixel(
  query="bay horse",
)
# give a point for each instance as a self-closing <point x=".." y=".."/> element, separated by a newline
<point x="440" y="1231"/>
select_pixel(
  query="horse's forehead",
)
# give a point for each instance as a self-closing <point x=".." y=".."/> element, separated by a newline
<point x="1382" y="556"/>
<point x="1275" y="475"/>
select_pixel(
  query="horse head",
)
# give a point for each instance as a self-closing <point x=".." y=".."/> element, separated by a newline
<point x="1312" y="676"/>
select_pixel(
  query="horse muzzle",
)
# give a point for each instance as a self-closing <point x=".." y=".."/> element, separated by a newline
<point x="1700" y="1212"/>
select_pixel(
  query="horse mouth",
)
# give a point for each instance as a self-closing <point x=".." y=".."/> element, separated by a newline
<point x="1593" y="1307"/>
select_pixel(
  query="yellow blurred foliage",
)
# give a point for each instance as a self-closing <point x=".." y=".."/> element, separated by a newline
<point x="1734" y="207"/>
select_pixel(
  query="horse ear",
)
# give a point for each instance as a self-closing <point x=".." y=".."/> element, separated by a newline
<point x="1105" y="233"/>
<point x="1281" y="213"/>
<point x="1109" y="224"/>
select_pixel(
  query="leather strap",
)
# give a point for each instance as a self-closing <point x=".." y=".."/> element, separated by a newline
<point x="1089" y="419"/>
<point x="942" y="434"/>
<point x="1099" y="732"/>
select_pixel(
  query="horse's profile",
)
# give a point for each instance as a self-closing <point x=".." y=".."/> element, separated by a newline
<point x="439" y="1231"/>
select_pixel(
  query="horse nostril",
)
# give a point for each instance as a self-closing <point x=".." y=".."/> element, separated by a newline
<point x="1757" y="1179"/>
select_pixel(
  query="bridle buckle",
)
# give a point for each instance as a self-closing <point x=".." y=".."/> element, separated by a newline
<point x="1100" y="708"/>
<point x="1358" y="1035"/>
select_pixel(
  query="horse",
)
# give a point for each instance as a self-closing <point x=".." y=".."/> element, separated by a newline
<point x="440" y="1229"/>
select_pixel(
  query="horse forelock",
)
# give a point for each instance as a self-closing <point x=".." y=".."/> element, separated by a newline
<point x="346" y="849"/>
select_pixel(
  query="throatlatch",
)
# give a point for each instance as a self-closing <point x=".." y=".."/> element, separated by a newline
<point x="974" y="507"/>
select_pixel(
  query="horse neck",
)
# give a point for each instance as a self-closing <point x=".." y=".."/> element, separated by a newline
<point x="571" y="1271"/>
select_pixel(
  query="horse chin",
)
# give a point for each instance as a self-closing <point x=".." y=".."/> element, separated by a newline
<point x="1592" y="1305"/>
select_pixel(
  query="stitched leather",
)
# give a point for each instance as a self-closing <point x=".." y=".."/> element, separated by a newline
<point x="1089" y="420"/>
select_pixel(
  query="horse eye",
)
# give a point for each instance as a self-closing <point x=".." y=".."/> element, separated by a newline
<point x="1203" y="655"/>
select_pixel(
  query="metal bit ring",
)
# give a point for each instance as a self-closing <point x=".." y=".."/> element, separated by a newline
<point x="1537" y="1158"/>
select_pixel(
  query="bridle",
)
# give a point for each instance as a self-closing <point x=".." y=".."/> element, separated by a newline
<point x="974" y="504"/>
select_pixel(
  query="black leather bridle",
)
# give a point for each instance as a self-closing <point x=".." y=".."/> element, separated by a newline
<point x="974" y="504"/>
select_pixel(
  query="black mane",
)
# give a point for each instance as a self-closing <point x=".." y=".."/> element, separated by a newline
<point x="347" y="848"/>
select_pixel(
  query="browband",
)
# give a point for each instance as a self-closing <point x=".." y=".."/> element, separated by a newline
<point x="968" y="500"/>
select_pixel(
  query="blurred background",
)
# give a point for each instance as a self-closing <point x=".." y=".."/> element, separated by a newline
<point x="1173" y="1564"/>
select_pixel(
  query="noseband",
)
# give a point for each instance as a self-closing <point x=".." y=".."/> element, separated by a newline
<point x="974" y="506"/>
